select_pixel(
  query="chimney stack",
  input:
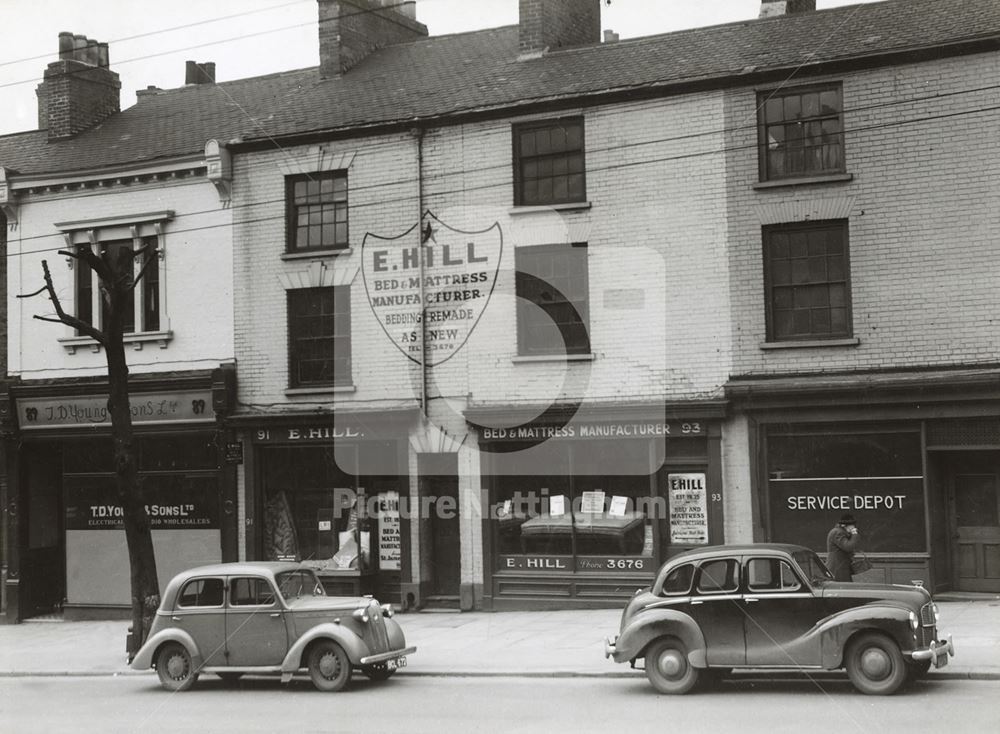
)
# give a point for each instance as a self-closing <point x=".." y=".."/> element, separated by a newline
<point x="196" y="73"/>
<point x="771" y="8"/>
<point x="79" y="90"/>
<point x="350" y="30"/>
<point x="547" y="25"/>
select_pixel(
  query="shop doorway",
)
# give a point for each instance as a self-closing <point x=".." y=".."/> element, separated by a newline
<point x="43" y="551"/>
<point x="974" y="521"/>
<point x="439" y="480"/>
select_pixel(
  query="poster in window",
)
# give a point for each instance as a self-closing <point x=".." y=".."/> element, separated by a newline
<point x="688" y="509"/>
<point x="388" y="531"/>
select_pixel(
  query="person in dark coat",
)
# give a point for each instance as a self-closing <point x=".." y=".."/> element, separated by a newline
<point x="841" y="542"/>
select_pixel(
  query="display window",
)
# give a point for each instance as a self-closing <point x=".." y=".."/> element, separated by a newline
<point x="571" y="510"/>
<point x="816" y="474"/>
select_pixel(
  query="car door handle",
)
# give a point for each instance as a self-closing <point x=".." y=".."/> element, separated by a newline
<point x="697" y="601"/>
<point x="749" y="599"/>
<point x="175" y="619"/>
<point x="275" y="615"/>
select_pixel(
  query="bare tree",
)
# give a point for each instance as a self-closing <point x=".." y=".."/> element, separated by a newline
<point x="117" y="281"/>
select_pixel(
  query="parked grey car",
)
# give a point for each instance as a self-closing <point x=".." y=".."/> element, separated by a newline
<point x="233" y="619"/>
<point x="775" y="606"/>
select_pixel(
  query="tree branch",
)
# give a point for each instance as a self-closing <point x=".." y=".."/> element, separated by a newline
<point x="82" y="326"/>
<point x="145" y="266"/>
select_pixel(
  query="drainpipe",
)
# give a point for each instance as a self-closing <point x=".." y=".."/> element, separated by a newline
<point x="418" y="132"/>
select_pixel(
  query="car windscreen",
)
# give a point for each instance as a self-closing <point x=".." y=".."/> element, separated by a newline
<point x="301" y="582"/>
<point x="813" y="568"/>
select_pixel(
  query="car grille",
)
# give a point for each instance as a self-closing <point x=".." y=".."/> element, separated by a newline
<point x="376" y="635"/>
<point x="928" y="632"/>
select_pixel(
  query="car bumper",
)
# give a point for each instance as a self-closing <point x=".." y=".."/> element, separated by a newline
<point x="937" y="652"/>
<point x="609" y="646"/>
<point x="384" y="656"/>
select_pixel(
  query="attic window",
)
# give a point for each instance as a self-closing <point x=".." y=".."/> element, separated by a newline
<point x="801" y="132"/>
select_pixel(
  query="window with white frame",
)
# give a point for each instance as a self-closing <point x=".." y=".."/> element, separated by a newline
<point x="134" y="245"/>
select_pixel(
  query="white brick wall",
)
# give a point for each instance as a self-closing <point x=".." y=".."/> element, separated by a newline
<point x="196" y="272"/>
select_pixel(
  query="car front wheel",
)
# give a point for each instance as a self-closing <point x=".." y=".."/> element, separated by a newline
<point x="329" y="666"/>
<point x="668" y="668"/>
<point x="875" y="665"/>
<point x="175" y="668"/>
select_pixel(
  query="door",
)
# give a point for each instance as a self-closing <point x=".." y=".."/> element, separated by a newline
<point x="255" y="624"/>
<point x="780" y="612"/>
<point x="43" y="557"/>
<point x="200" y="612"/>
<point x="439" y="474"/>
<point x="717" y="607"/>
<point x="975" y="524"/>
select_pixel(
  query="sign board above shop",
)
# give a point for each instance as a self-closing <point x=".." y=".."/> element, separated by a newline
<point x="587" y="429"/>
<point x="90" y="411"/>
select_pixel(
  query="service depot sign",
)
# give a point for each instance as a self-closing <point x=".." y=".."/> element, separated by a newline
<point x="428" y="297"/>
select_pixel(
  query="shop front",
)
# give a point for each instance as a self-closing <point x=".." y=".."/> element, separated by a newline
<point x="66" y="530"/>
<point x="327" y="492"/>
<point x="583" y="511"/>
<point x="915" y="458"/>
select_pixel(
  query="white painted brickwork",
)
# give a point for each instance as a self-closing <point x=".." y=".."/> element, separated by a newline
<point x="924" y="217"/>
<point x="196" y="273"/>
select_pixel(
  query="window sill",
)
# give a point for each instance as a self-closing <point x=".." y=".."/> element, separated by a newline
<point x="327" y="390"/>
<point x="805" y="181"/>
<point x="813" y="343"/>
<point x="162" y="338"/>
<point x="316" y="254"/>
<point x="537" y="208"/>
<point x="553" y="358"/>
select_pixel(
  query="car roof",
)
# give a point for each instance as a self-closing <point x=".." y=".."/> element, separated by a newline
<point x="266" y="568"/>
<point x="695" y="554"/>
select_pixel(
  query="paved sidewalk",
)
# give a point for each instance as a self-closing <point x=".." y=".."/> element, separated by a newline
<point x="562" y="643"/>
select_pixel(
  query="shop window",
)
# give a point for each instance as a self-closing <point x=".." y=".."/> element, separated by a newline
<point x="250" y="592"/>
<point x="316" y="207"/>
<point x="142" y="309"/>
<point x="173" y="452"/>
<point x="319" y="336"/>
<point x="553" y="292"/>
<point x="801" y="132"/>
<point x="679" y="580"/>
<point x="718" y="577"/>
<point x="770" y="574"/>
<point x="563" y="500"/>
<point x="201" y="593"/>
<point x="807" y="281"/>
<point x="549" y="162"/>
<point x="816" y="474"/>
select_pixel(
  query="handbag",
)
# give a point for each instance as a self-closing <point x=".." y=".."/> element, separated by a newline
<point x="860" y="564"/>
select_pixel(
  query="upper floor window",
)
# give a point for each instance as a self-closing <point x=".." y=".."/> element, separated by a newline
<point x="316" y="205"/>
<point x="549" y="162"/>
<point x="801" y="132"/>
<point x="319" y="336"/>
<point x="553" y="288"/>
<point x="142" y="309"/>
<point x="806" y="281"/>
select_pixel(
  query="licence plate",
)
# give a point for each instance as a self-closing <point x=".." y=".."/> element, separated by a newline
<point x="397" y="663"/>
<point x="941" y="660"/>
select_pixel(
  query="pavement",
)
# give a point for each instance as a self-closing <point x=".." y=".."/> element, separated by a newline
<point x="523" y="644"/>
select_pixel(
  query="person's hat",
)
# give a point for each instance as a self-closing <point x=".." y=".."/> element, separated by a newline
<point x="847" y="519"/>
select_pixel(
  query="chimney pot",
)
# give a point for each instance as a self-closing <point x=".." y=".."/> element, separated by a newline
<point x="65" y="45"/>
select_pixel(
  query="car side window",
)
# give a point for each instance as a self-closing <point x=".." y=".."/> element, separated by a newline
<point x="201" y="593"/>
<point x="719" y="577"/>
<point x="770" y="574"/>
<point x="678" y="581"/>
<point x="245" y="592"/>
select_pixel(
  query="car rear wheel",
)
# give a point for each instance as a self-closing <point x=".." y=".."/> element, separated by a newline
<point x="875" y="665"/>
<point x="329" y="666"/>
<point x="668" y="668"/>
<point x="175" y="667"/>
<point x="378" y="671"/>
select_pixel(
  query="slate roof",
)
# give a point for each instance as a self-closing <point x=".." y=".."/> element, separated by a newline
<point x="478" y="71"/>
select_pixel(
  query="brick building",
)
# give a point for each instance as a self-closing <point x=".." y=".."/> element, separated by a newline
<point x="519" y="313"/>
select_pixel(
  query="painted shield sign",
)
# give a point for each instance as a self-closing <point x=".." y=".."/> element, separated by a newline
<point x="429" y="286"/>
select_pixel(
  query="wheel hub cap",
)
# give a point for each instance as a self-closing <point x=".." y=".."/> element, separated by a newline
<point x="176" y="667"/>
<point x="875" y="664"/>
<point x="328" y="666"/>
<point x="670" y="664"/>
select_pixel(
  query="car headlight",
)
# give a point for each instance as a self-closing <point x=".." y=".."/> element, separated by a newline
<point x="387" y="610"/>
<point x="361" y="614"/>
<point x="914" y="621"/>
